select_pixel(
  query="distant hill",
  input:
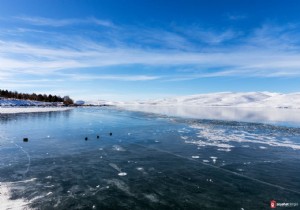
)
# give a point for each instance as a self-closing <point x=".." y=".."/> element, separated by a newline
<point x="223" y="99"/>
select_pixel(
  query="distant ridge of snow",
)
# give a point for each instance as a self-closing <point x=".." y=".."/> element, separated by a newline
<point x="222" y="99"/>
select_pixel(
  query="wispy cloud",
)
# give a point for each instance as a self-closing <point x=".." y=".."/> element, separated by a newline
<point x="268" y="51"/>
<point x="83" y="77"/>
<point x="32" y="59"/>
<point x="213" y="37"/>
<point x="41" y="21"/>
<point x="236" y="17"/>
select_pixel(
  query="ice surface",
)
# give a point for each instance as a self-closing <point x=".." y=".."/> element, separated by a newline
<point x="114" y="166"/>
<point x="152" y="197"/>
<point x="120" y="185"/>
<point x="156" y="175"/>
<point x="118" y="148"/>
<point x="214" y="159"/>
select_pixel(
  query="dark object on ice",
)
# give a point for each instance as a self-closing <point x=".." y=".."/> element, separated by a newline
<point x="110" y="133"/>
<point x="98" y="137"/>
<point x="25" y="139"/>
<point x="86" y="138"/>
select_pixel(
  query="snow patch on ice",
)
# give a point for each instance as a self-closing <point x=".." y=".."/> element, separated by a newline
<point x="120" y="185"/>
<point x="152" y="197"/>
<point x="114" y="166"/>
<point x="118" y="148"/>
<point x="122" y="174"/>
<point x="5" y="198"/>
<point x="209" y="135"/>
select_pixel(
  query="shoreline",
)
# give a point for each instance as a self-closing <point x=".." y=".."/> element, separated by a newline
<point x="16" y="110"/>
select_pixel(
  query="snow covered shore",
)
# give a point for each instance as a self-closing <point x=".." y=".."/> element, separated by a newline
<point x="13" y="106"/>
<point x="15" y="110"/>
<point x="18" y="102"/>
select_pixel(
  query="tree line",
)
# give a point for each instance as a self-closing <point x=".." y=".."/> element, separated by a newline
<point x="35" y="97"/>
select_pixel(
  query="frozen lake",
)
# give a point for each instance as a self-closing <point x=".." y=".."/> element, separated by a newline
<point x="151" y="161"/>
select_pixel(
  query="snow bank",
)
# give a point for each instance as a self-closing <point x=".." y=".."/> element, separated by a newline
<point x="12" y="106"/>
<point x="14" y="110"/>
<point x="17" y="102"/>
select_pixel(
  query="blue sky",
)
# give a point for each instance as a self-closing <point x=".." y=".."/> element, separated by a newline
<point x="135" y="49"/>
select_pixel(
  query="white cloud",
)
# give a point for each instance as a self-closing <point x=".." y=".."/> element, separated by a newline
<point x="214" y="37"/>
<point x="111" y="77"/>
<point x="41" y="21"/>
<point x="18" y="57"/>
<point x="266" y="52"/>
<point x="236" y="17"/>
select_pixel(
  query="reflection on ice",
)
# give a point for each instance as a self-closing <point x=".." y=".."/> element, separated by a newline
<point x="265" y="115"/>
